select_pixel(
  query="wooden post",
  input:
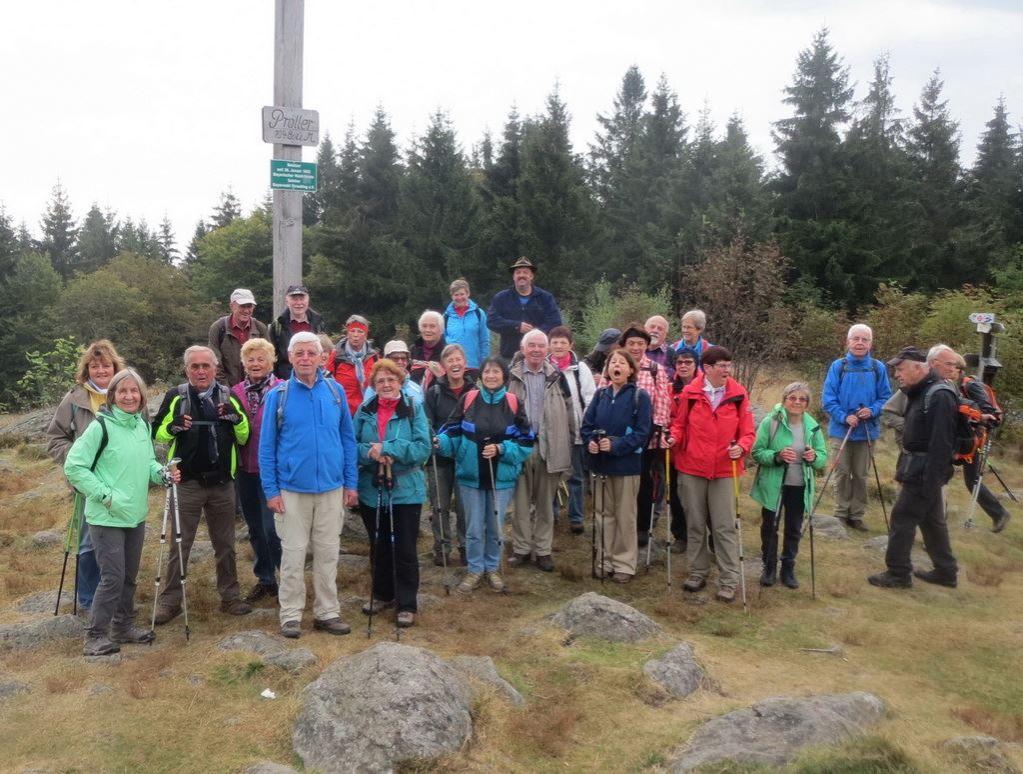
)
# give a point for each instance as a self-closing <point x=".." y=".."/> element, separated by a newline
<point x="287" y="225"/>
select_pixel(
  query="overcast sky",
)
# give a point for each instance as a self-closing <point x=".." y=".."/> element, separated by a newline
<point x="154" y="108"/>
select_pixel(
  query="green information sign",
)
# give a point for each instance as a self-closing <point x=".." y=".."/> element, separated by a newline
<point x="293" y="175"/>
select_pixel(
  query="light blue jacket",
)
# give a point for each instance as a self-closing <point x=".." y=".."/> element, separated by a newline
<point x="409" y="389"/>
<point x="313" y="451"/>
<point x="851" y="383"/>
<point x="470" y="331"/>
<point x="406" y="441"/>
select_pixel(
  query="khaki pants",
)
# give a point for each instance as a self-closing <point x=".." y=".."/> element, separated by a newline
<point x="316" y="519"/>
<point x="851" y="479"/>
<point x="615" y="498"/>
<point x="534" y="531"/>
<point x="713" y="498"/>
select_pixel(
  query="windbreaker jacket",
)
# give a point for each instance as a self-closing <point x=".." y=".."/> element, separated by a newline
<point x="192" y="445"/>
<point x="702" y="434"/>
<point x="626" y="418"/>
<point x="470" y="330"/>
<point x="342" y="368"/>
<point x="490" y="419"/>
<point x="229" y="350"/>
<point x="406" y="441"/>
<point x="770" y="473"/>
<point x="249" y="456"/>
<point x="117" y="491"/>
<point x="314" y="449"/>
<point x="279" y="333"/>
<point x="851" y="383"/>
<point x="506" y="314"/>
<point x="557" y="428"/>
<point x="70" y="420"/>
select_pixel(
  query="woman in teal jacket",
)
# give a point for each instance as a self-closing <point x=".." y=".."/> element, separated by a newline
<point x="112" y="464"/>
<point x="392" y="431"/>
<point x="789" y="448"/>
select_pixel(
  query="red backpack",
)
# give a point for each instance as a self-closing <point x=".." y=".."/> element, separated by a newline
<point x="511" y="397"/>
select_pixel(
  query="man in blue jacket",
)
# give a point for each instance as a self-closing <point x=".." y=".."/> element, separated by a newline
<point x="855" y="390"/>
<point x="521" y="308"/>
<point x="307" y="465"/>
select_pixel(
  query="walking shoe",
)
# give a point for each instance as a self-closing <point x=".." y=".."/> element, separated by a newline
<point x="545" y="563"/>
<point x="405" y="619"/>
<point x="933" y="576"/>
<point x="1001" y="522"/>
<point x="84" y="611"/>
<point x="235" y="606"/>
<point x="469" y="583"/>
<point x="621" y="577"/>
<point x="694" y="583"/>
<point x="858" y="525"/>
<point x="331" y="626"/>
<point x="165" y="614"/>
<point x="887" y="580"/>
<point x="678" y="547"/>
<point x="578" y="529"/>
<point x="496" y="581"/>
<point x="769" y="576"/>
<point x="726" y="594"/>
<point x="788" y="576"/>
<point x="261" y="591"/>
<point x="518" y="560"/>
<point x="133" y="634"/>
<point x="378" y="605"/>
<point x="291" y="629"/>
<point x="100" y="646"/>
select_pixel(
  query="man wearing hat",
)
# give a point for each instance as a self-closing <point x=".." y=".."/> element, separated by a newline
<point x="229" y="332"/>
<point x="924" y="467"/>
<point x="352" y="360"/>
<point x="521" y="308"/>
<point x="295" y="318"/>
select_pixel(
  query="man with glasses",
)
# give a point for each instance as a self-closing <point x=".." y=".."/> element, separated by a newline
<point x="228" y="333"/>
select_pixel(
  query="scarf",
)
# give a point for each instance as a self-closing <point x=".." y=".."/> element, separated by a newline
<point x="357" y="358"/>
<point x="563" y="362"/>
<point x="255" y="392"/>
<point x="97" y="396"/>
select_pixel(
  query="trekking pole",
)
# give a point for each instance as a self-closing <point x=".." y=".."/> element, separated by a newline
<point x="389" y="481"/>
<point x="997" y="475"/>
<point x="497" y="521"/>
<point x="71" y="538"/>
<point x="441" y="522"/>
<point x="593" y="531"/>
<point x="669" y="539"/>
<point x="163" y="542"/>
<point x="181" y="558"/>
<point x="374" y="545"/>
<point x="824" y="487"/>
<point x="599" y="512"/>
<point x="738" y="531"/>
<point x="968" y="524"/>
<point x="813" y="567"/>
<point x="877" y="477"/>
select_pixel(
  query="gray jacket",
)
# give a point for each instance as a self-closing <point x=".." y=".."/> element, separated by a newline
<point x="558" y="427"/>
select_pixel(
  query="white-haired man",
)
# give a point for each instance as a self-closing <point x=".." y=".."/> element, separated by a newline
<point x="855" y="390"/>
<point x="659" y="350"/>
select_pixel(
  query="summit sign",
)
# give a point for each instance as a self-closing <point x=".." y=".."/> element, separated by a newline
<point x="291" y="126"/>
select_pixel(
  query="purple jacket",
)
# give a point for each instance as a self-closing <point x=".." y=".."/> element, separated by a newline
<point x="249" y="457"/>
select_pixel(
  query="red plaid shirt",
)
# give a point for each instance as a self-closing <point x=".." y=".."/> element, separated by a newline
<point x="659" y="389"/>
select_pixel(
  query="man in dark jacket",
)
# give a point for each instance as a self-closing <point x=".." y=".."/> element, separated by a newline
<point x="521" y="308"/>
<point x="297" y="317"/>
<point x="924" y="467"/>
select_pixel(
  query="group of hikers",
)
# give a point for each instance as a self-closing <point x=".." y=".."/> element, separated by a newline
<point x="299" y="431"/>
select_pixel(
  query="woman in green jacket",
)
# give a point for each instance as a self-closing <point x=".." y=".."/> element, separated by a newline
<point x="789" y="448"/>
<point x="112" y="464"/>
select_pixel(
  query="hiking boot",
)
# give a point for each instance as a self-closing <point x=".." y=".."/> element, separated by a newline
<point x="642" y="538"/>
<point x="291" y="629"/>
<point x="935" y="577"/>
<point x="769" y="576"/>
<point x="694" y="583"/>
<point x="858" y="525"/>
<point x="496" y="581"/>
<point x="887" y="580"/>
<point x="621" y="577"/>
<point x="1001" y="522"/>
<point x="133" y="634"/>
<point x="165" y="614"/>
<point x="235" y="606"/>
<point x="469" y="583"/>
<point x="261" y="591"/>
<point x="405" y="619"/>
<point x="726" y="594"/>
<point x="100" y="646"/>
<point x="788" y="576"/>
<point x="376" y="606"/>
<point x="331" y="626"/>
<point x="518" y="560"/>
<point x="577" y="529"/>
<point x="545" y="563"/>
<point x="678" y="546"/>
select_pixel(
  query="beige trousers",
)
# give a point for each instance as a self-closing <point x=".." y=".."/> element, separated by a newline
<point x="316" y="519"/>
<point x="533" y="528"/>
<point x="712" y="498"/>
<point x="615" y="498"/>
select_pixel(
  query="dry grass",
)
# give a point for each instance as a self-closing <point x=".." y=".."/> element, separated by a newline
<point x="1006" y="727"/>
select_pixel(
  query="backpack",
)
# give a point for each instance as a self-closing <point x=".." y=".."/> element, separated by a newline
<point x="970" y="434"/>
<point x="331" y="385"/>
<point x="992" y="397"/>
<point x="223" y="393"/>
<point x="511" y="397"/>
<point x="476" y="311"/>
<point x="875" y="366"/>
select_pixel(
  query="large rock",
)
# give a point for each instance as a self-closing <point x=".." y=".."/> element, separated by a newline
<point x="829" y="527"/>
<point x="272" y="649"/>
<point x="389" y="704"/>
<point x="980" y="754"/>
<point x="35" y="633"/>
<point x="44" y="601"/>
<point x="677" y="672"/>
<point x="773" y="732"/>
<point x="594" y="615"/>
<point x="482" y="668"/>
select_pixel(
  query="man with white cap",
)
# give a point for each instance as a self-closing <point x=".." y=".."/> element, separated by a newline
<point x="229" y="332"/>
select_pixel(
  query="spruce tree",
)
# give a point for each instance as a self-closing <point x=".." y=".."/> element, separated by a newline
<point x="315" y="204"/>
<point x="60" y="235"/>
<point x="9" y="247"/>
<point x="97" y="240"/>
<point x="165" y="239"/>
<point x="227" y="211"/>
<point x="616" y="144"/>
<point x="201" y="230"/>
<point x="501" y="210"/>
<point x="379" y="172"/>
<point x="994" y="184"/>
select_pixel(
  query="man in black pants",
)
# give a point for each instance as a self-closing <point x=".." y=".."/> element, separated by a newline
<point x="924" y="467"/>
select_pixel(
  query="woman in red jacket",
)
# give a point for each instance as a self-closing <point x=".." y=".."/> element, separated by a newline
<point x="711" y="433"/>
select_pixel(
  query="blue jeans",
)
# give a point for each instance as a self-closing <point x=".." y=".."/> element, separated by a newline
<point x="483" y="526"/>
<point x="88" y="569"/>
<point x="262" y="533"/>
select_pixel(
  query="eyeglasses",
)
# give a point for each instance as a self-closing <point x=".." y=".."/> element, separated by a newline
<point x="797" y="398"/>
<point x="949" y="365"/>
<point x="399" y="357"/>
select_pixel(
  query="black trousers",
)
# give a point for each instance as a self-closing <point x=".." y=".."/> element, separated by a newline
<point x="986" y="499"/>
<point x="406" y="532"/>
<point x="678" y="513"/>
<point x="916" y="507"/>
<point x="793" y="506"/>
<point x="652" y="473"/>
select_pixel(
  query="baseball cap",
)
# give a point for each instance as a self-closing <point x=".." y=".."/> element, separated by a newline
<point x="296" y="290"/>
<point x="908" y="353"/>
<point x="243" y="296"/>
